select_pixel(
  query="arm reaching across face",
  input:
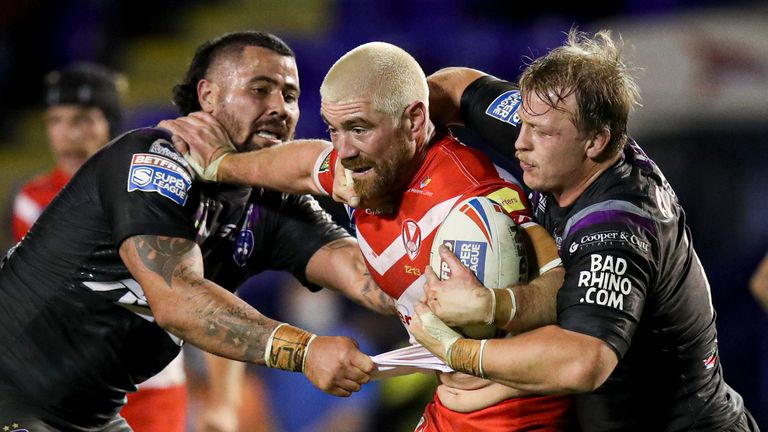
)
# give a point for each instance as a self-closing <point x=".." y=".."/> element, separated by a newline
<point x="288" y="167"/>
<point x="446" y="87"/>
<point x="199" y="311"/>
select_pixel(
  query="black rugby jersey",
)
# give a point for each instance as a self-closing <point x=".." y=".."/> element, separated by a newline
<point x="77" y="330"/>
<point x="633" y="280"/>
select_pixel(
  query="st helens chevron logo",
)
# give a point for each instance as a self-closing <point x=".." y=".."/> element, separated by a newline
<point x="411" y="236"/>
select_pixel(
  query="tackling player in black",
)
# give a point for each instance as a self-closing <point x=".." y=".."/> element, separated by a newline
<point x="108" y="283"/>
<point x="636" y="329"/>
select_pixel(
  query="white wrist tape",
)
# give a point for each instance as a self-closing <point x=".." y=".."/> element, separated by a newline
<point x="480" y="365"/>
<point x="492" y="315"/>
<point x="550" y="265"/>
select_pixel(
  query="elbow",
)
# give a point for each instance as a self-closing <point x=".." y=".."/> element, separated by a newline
<point x="591" y="369"/>
<point x="167" y="314"/>
<point x="164" y="317"/>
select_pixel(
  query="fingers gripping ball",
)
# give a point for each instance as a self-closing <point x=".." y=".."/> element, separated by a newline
<point x="287" y="348"/>
<point x="486" y="240"/>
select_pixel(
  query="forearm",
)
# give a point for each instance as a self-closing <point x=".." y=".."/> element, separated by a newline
<point x="288" y="167"/>
<point x="549" y="360"/>
<point x="216" y="321"/>
<point x="339" y="266"/>
<point x="536" y="302"/>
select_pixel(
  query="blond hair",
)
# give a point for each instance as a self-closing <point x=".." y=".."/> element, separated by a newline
<point x="377" y="72"/>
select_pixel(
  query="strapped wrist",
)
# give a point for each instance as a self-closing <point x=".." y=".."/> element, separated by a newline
<point x="466" y="355"/>
<point x="287" y="348"/>
<point x="505" y="307"/>
<point x="212" y="172"/>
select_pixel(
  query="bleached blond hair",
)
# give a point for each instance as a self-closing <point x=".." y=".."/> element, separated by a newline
<point x="377" y="72"/>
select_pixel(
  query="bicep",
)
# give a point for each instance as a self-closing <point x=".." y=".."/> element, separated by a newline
<point x="161" y="263"/>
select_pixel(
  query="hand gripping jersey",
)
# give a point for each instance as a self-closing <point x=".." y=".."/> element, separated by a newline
<point x="634" y="281"/>
<point x="77" y="330"/>
<point x="396" y="247"/>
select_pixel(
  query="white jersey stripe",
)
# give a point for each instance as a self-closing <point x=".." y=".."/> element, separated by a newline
<point x="26" y="209"/>
<point x="396" y="250"/>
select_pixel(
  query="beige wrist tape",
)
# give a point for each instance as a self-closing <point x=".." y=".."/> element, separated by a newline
<point x="465" y="355"/>
<point x="212" y="172"/>
<point x="505" y="307"/>
<point x="287" y="348"/>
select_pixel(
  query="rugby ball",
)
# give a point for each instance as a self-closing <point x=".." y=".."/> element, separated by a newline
<point x="486" y="240"/>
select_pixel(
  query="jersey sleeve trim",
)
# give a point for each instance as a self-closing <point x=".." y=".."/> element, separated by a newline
<point x="323" y="168"/>
<point x="581" y="323"/>
<point x="610" y="211"/>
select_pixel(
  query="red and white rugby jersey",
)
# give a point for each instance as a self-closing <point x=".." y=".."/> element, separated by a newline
<point x="396" y="245"/>
<point x="33" y="198"/>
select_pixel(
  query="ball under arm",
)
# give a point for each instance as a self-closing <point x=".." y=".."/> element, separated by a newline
<point x="287" y="348"/>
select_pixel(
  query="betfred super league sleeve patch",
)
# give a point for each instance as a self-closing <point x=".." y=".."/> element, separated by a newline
<point x="505" y="107"/>
<point x="153" y="173"/>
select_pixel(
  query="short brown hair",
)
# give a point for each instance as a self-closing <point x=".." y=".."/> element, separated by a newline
<point x="593" y="70"/>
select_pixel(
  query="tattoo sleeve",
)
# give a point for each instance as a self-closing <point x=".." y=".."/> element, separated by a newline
<point x="202" y="312"/>
<point x="345" y="271"/>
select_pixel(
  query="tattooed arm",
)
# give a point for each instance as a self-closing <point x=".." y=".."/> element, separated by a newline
<point x="183" y="302"/>
<point x="339" y="265"/>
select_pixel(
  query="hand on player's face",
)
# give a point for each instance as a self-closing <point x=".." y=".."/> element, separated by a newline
<point x="344" y="188"/>
<point x="460" y="300"/>
<point x="335" y="365"/>
<point x="200" y="134"/>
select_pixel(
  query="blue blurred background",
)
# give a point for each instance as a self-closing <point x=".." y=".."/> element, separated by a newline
<point x="703" y="78"/>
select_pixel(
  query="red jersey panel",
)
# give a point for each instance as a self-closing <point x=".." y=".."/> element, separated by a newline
<point x="396" y="245"/>
<point x="33" y="198"/>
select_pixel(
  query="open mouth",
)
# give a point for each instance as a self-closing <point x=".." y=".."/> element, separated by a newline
<point x="360" y="170"/>
<point x="269" y="138"/>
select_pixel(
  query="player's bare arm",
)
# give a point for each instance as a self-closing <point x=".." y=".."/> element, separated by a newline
<point x="288" y="167"/>
<point x="339" y="265"/>
<point x="170" y="270"/>
<point x="445" y="89"/>
<point x="183" y="302"/>
<point x="546" y="360"/>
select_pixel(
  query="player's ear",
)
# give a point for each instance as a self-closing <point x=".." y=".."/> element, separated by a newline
<point x="597" y="145"/>
<point x="207" y="94"/>
<point x="416" y="113"/>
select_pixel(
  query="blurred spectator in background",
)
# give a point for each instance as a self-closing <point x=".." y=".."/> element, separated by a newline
<point x="83" y="112"/>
